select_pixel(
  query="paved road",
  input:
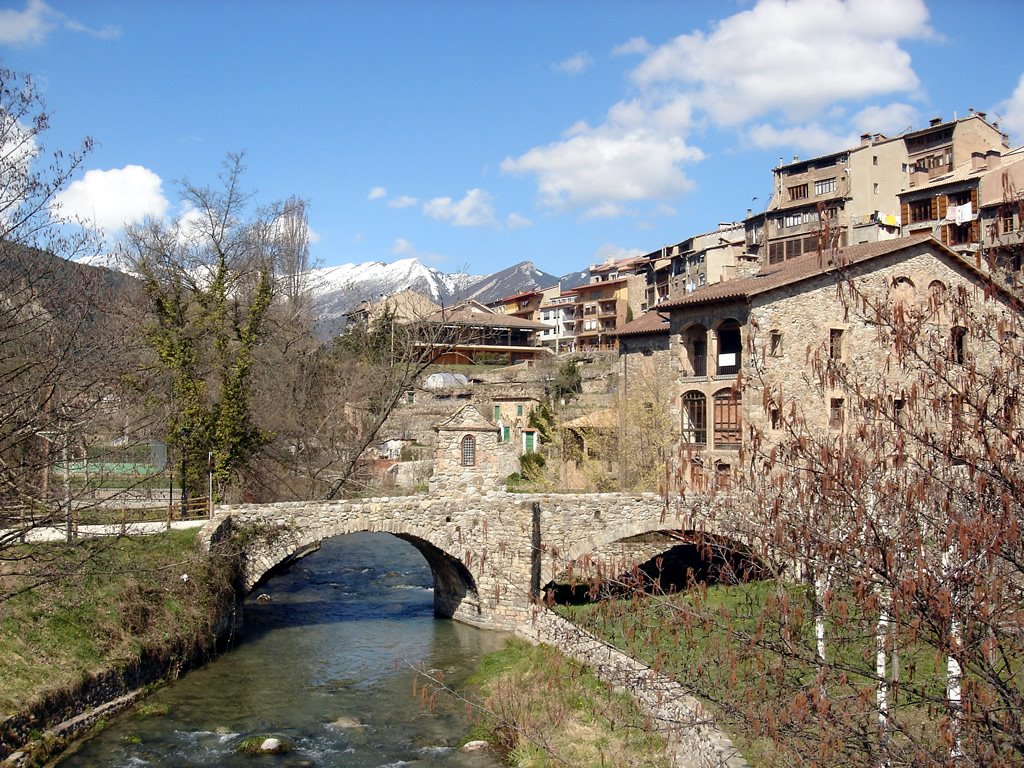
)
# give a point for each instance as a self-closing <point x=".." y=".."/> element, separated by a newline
<point x="59" y="533"/>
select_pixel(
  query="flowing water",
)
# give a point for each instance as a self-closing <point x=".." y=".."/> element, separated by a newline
<point x="324" y="664"/>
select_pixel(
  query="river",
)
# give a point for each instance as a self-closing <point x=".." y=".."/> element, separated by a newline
<point x="324" y="664"/>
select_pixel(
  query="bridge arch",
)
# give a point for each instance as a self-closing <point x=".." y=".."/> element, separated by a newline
<point x="277" y="541"/>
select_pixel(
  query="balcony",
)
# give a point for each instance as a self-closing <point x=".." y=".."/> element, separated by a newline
<point x="698" y="367"/>
<point x="728" y="364"/>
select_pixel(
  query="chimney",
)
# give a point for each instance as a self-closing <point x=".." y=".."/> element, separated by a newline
<point x="977" y="160"/>
<point x="981" y="115"/>
<point x="865" y="139"/>
<point x="993" y="159"/>
<point x="796" y="158"/>
<point x="934" y="121"/>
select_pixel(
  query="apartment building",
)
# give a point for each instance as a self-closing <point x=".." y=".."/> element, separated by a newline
<point x="970" y="207"/>
<point x="853" y="196"/>
<point x="558" y="312"/>
<point x="697" y="261"/>
<point x="614" y="295"/>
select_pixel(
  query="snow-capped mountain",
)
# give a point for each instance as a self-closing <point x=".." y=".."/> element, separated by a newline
<point x="518" y="278"/>
<point x="339" y="289"/>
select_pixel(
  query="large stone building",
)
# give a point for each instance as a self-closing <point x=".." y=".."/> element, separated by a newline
<point x="737" y="349"/>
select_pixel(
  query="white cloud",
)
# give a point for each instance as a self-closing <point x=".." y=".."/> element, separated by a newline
<point x="796" y="69"/>
<point x="891" y="119"/>
<point x="603" y="167"/>
<point x="473" y="210"/>
<point x="811" y="139"/>
<point x="517" y="221"/>
<point x="615" y="252"/>
<point x="576" y="64"/>
<point x="631" y="47"/>
<point x="403" y="247"/>
<point x="110" y="199"/>
<point x="27" y="27"/>
<point x="791" y="56"/>
<point x="377" y="193"/>
<point x="32" y="25"/>
<point x="403" y="201"/>
<point x="1011" y="111"/>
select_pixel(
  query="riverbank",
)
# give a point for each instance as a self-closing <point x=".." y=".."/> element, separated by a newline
<point x="539" y="707"/>
<point x="82" y="626"/>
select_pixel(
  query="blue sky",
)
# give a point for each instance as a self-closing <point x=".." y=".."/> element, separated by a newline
<point x="475" y="135"/>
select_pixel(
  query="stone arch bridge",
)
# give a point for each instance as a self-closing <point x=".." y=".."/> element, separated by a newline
<point x="489" y="554"/>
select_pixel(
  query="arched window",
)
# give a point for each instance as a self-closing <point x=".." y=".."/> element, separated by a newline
<point x="901" y="294"/>
<point x="469" y="451"/>
<point x="728" y="420"/>
<point x="695" y="351"/>
<point x="937" y="295"/>
<point x="728" y="348"/>
<point x="695" y="418"/>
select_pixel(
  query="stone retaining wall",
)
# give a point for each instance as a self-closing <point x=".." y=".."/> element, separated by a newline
<point x="694" y="740"/>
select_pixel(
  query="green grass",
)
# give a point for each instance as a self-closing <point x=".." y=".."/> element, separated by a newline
<point x="758" y="674"/>
<point x="66" y="612"/>
<point x="545" y="710"/>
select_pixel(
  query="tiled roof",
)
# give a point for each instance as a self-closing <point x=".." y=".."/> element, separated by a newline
<point x="649" y="322"/>
<point x="474" y="314"/>
<point x="798" y="269"/>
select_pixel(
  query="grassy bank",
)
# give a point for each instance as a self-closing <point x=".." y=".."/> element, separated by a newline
<point x="70" y="612"/>
<point x="542" y="709"/>
<point x="759" y="676"/>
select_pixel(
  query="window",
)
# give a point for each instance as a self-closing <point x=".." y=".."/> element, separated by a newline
<point x="519" y="409"/>
<point x="874" y="159"/>
<point x="874" y="187"/>
<point x="775" y="344"/>
<point x="410" y="396"/>
<point x="505" y="433"/>
<point x="835" y="344"/>
<point x="920" y="210"/>
<point x="469" y="451"/>
<point x="1006" y="215"/>
<point x="897" y="411"/>
<point x="497" y="412"/>
<point x="958" y="334"/>
<point x="727" y="419"/>
<point x="774" y="416"/>
<point x="937" y="298"/>
<point x="695" y="418"/>
<point x="824" y="186"/>
<point x="799" y="192"/>
<point x="776" y="254"/>
<point x="835" y="412"/>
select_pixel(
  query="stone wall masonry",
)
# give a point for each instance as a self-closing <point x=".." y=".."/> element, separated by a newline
<point x="694" y="740"/>
<point x="480" y="545"/>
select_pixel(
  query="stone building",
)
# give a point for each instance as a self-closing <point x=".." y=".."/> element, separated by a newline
<point x="740" y="348"/>
<point x="468" y="457"/>
<point x="644" y="353"/>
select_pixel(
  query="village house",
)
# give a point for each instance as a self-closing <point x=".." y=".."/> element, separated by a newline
<point x="472" y="333"/>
